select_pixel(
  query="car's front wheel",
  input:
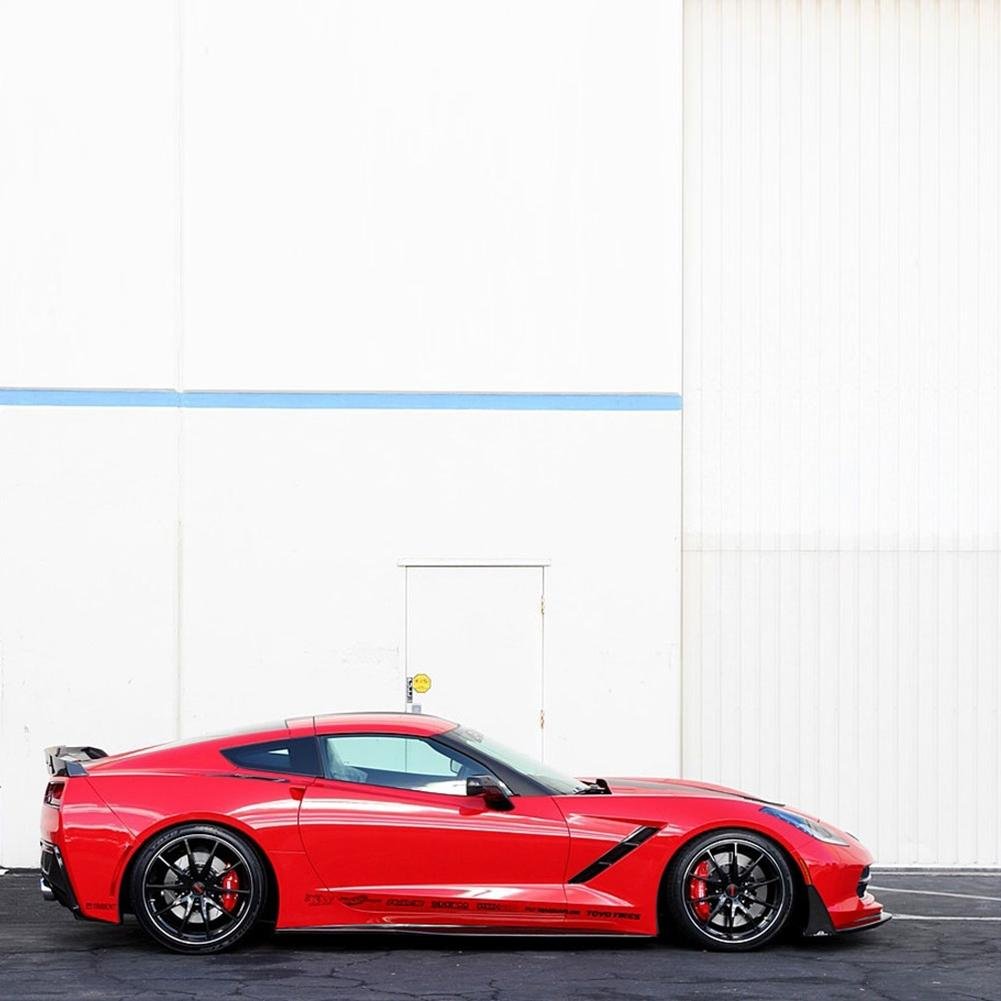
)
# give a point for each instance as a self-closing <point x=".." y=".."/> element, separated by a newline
<point x="729" y="891"/>
<point x="198" y="888"/>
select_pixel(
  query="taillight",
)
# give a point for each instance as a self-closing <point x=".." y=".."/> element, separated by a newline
<point x="54" y="794"/>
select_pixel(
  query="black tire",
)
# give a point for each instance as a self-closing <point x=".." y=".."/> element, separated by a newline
<point x="198" y="888"/>
<point x="729" y="891"/>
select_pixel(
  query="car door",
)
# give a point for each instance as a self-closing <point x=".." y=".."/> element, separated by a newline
<point x="395" y="839"/>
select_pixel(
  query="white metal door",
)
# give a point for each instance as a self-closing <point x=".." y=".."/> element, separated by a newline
<point x="476" y="633"/>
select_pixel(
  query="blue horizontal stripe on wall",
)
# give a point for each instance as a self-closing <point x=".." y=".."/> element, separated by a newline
<point x="252" y="400"/>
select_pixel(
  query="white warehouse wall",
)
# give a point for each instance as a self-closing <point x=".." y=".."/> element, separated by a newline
<point x="333" y="197"/>
<point x="439" y="195"/>
<point x="89" y="199"/>
<point x="337" y="196"/>
<point x="88" y="543"/>
<point x="294" y="525"/>
<point x="841" y="443"/>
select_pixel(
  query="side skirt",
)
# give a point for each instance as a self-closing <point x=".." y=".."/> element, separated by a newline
<point x="488" y="932"/>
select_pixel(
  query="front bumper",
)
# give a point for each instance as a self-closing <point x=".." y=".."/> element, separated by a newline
<point x="55" y="882"/>
<point x="838" y="897"/>
<point x="819" y="923"/>
<point x="866" y="923"/>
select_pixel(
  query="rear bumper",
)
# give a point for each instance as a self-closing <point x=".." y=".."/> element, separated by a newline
<point x="55" y="882"/>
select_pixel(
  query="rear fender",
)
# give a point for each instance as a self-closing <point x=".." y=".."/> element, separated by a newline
<point x="93" y="844"/>
<point x="265" y="812"/>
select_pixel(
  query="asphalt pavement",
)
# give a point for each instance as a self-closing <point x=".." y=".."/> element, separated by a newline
<point x="945" y="943"/>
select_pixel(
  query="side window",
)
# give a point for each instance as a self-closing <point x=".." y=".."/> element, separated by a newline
<point x="398" y="762"/>
<point x="294" y="757"/>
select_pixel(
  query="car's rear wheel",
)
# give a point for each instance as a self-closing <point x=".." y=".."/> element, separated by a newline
<point x="198" y="888"/>
<point x="729" y="891"/>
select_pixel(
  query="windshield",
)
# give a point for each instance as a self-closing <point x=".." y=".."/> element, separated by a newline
<point x="556" y="782"/>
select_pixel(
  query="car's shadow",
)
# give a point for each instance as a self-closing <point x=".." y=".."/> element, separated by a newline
<point x="465" y="942"/>
<point x="488" y="943"/>
<point x="129" y="937"/>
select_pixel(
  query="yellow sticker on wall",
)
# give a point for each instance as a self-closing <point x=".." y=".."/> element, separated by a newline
<point x="422" y="683"/>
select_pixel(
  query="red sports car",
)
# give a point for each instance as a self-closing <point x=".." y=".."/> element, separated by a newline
<point x="411" y="822"/>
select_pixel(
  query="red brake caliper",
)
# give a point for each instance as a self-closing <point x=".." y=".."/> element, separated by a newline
<point x="697" y="890"/>
<point x="230" y="882"/>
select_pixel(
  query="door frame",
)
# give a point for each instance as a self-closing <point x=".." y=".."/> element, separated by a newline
<point x="477" y="563"/>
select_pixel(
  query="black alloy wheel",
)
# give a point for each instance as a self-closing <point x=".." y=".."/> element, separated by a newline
<point x="730" y="891"/>
<point x="198" y="888"/>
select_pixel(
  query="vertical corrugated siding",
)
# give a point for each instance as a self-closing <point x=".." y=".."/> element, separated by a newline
<point x="842" y="584"/>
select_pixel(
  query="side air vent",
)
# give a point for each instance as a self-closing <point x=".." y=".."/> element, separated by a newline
<point x="613" y="855"/>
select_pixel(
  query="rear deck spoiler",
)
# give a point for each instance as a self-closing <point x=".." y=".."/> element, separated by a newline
<point x="68" y="760"/>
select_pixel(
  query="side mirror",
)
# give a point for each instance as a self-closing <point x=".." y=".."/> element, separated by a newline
<point x="490" y="789"/>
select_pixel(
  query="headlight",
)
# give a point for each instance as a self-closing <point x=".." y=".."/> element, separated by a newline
<point x="807" y="826"/>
